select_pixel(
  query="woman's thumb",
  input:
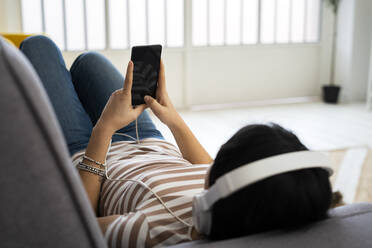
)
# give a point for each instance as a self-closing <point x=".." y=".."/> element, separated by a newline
<point x="152" y="103"/>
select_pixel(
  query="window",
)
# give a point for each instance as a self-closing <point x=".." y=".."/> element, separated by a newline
<point x="235" y="22"/>
<point x="101" y="24"/>
<point x="119" y="24"/>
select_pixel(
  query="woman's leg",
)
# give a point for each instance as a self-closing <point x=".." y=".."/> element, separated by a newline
<point x="47" y="60"/>
<point x="95" y="78"/>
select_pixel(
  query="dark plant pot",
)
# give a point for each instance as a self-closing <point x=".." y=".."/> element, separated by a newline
<point x="331" y="93"/>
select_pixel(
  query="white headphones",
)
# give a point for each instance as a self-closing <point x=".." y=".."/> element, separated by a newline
<point x="249" y="174"/>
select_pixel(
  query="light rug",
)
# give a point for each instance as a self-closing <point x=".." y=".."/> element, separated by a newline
<point x="353" y="173"/>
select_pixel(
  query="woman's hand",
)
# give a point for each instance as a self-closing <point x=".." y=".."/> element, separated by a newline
<point x="162" y="106"/>
<point x="119" y="111"/>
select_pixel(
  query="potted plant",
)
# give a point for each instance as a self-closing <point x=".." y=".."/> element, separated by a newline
<point x="331" y="91"/>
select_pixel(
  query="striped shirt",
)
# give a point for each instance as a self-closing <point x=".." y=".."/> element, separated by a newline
<point x="143" y="221"/>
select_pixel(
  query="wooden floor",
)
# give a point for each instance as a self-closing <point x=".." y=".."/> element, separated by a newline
<point x="319" y="126"/>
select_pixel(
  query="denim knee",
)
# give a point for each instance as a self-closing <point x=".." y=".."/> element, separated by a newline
<point x="37" y="41"/>
<point x="83" y="58"/>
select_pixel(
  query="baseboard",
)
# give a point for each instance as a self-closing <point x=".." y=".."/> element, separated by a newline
<point x="281" y="101"/>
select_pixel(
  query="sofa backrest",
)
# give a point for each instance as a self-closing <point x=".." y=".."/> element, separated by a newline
<point x="43" y="202"/>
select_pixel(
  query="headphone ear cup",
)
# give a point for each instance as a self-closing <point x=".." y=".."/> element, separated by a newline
<point x="202" y="219"/>
<point x="206" y="222"/>
<point x="196" y="213"/>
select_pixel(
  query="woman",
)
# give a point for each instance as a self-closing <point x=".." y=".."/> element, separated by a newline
<point x="153" y="206"/>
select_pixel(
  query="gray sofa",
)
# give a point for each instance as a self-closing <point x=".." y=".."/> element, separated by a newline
<point x="43" y="202"/>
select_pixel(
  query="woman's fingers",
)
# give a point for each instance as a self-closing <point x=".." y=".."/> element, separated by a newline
<point x="128" y="78"/>
<point x="161" y="80"/>
<point x="139" y="109"/>
<point x="152" y="103"/>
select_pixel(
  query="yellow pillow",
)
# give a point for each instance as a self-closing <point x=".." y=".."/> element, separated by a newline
<point x="16" y="38"/>
<point x="9" y="41"/>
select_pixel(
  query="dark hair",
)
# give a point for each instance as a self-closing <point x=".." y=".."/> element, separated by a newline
<point x="284" y="201"/>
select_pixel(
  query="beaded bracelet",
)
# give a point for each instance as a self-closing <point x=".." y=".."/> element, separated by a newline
<point x="94" y="170"/>
<point x="94" y="161"/>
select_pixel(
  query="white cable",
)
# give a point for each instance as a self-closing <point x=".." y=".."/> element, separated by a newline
<point x="138" y="141"/>
<point x="126" y="135"/>
<point x="145" y="185"/>
<point x="152" y="191"/>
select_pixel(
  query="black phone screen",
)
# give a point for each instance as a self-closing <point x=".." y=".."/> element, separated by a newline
<point x="146" y="61"/>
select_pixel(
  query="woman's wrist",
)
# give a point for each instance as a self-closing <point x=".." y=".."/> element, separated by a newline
<point x="176" y="122"/>
<point x="102" y="129"/>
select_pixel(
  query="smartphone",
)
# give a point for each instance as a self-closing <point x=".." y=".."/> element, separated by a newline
<point x="146" y="61"/>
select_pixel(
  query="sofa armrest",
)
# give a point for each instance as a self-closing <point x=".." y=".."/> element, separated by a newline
<point x="43" y="202"/>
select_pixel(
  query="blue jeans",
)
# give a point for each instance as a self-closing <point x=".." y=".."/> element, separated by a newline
<point x="78" y="96"/>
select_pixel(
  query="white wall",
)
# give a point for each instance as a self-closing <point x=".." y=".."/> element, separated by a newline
<point x="353" y="48"/>
<point x="361" y="47"/>
<point x="235" y="74"/>
<point x="10" y="16"/>
<point x="369" y="88"/>
<point x="344" y="45"/>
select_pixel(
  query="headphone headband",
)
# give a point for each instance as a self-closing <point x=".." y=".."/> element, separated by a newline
<point x="262" y="169"/>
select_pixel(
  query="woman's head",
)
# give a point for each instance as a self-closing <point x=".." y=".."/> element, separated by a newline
<point x="283" y="201"/>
